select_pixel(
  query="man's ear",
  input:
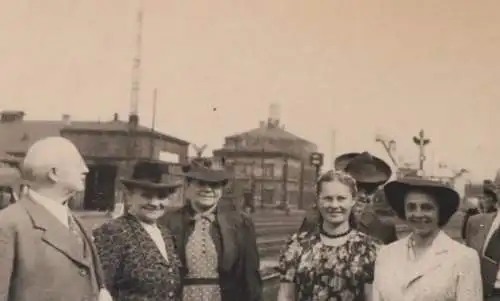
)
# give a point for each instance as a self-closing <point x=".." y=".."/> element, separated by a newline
<point x="52" y="175"/>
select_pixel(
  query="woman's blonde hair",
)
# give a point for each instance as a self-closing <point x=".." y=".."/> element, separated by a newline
<point x="340" y="176"/>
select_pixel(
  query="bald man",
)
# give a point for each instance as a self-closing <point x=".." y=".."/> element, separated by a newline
<point x="45" y="254"/>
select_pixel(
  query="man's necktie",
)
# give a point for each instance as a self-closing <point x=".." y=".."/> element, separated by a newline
<point x="492" y="250"/>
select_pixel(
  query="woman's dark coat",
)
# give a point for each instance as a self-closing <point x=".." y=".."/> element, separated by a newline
<point x="234" y="237"/>
<point x="134" y="268"/>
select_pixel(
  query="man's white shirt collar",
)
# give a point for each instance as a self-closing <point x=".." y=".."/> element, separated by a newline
<point x="57" y="209"/>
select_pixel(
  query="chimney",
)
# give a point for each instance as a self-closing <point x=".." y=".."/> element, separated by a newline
<point x="133" y="120"/>
<point x="11" y="116"/>
<point x="66" y="118"/>
<point x="262" y="124"/>
<point x="116" y="117"/>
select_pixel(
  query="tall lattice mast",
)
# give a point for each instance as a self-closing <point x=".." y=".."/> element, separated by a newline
<point x="136" y="68"/>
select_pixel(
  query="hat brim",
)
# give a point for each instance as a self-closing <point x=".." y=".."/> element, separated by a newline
<point x="342" y="160"/>
<point x="209" y="176"/>
<point x="375" y="171"/>
<point x="150" y="185"/>
<point x="447" y="199"/>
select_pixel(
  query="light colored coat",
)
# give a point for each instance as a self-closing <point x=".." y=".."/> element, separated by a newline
<point x="40" y="259"/>
<point x="449" y="271"/>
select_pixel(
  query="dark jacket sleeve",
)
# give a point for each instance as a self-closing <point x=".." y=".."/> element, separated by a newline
<point x="7" y="257"/>
<point x="311" y="220"/>
<point x="392" y="235"/>
<point x="251" y="262"/>
<point x="470" y="212"/>
<point x="109" y="245"/>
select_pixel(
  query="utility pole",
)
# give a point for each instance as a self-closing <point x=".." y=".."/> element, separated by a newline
<point x="153" y="124"/>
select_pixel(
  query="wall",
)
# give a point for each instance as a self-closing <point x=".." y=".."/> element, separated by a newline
<point x="106" y="145"/>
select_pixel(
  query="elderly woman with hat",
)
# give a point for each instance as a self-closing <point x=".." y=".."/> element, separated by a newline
<point x="216" y="243"/>
<point x="331" y="261"/>
<point x="137" y="253"/>
<point x="427" y="264"/>
<point x="370" y="173"/>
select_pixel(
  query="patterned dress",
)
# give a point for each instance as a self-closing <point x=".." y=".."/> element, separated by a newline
<point x="324" y="272"/>
<point x="201" y="260"/>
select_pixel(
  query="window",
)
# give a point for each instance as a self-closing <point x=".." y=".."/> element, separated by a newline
<point x="268" y="170"/>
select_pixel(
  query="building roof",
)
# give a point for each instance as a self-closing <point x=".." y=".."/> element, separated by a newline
<point x="18" y="136"/>
<point x="117" y="126"/>
<point x="271" y="129"/>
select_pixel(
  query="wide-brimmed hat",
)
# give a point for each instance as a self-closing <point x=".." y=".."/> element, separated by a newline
<point x="206" y="170"/>
<point x="369" y="171"/>
<point x="447" y="199"/>
<point x="149" y="175"/>
<point x="489" y="188"/>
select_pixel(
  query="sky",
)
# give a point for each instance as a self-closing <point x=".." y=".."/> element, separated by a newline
<point x="359" y="68"/>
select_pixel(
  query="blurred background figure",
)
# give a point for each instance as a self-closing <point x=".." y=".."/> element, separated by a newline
<point x="370" y="173"/>
<point x="10" y="185"/>
<point x="487" y="203"/>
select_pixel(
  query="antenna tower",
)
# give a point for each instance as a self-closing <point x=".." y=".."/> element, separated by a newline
<point x="136" y="68"/>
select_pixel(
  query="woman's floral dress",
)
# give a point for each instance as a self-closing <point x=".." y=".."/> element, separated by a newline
<point x="324" y="272"/>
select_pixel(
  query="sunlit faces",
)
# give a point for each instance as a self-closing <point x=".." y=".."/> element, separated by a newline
<point x="422" y="213"/>
<point x="204" y="194"/>
<point x="335" y="202"/>
<point x="147" y="205"/>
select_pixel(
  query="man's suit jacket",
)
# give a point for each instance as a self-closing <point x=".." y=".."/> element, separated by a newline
<point x="477" y="229"/>
<point x="134" y="268"/>
<point x="235" y="241"/>
<point x="449" y="271"/>
<point x="40" y="259"/>
<point x="369" y="224"/>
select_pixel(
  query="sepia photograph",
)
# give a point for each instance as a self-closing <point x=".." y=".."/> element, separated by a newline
<point x="265" y="150"/>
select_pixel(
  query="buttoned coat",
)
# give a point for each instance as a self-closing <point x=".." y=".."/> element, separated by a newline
<point x="477" y="229"/>
<point x="133" y="266"/>
<point x="448" y="271"/>
<point x="41" y="260"/>
<point x="235" y="243"/>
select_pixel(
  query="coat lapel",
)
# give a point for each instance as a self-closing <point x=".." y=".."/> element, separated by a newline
<point x="432" y="259"/>
<point x="54" y="233"/>
<point x="484" y="227"/>
<point x="145" y="239"/>
<point x="227" y="220"/>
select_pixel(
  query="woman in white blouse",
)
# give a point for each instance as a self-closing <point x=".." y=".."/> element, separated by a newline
<point x="427" y="265"/>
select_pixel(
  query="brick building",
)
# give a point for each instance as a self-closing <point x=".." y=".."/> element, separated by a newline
<point x="270" y="165"/>
<point x="109" y="149"/>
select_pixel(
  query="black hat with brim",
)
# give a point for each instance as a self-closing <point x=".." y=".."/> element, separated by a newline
<point x="202" y="169"/>
<point x="447" y="199"/>
<point x="148" y="175"/>
<point x="369" y="171"/>
<point x="344" y="159"/>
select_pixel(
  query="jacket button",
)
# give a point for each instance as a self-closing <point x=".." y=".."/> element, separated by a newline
<point x="83" y="273"/>
<point x="170" y="294"/>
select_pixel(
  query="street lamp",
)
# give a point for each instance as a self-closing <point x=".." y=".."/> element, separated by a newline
<point x="316" y="160"/>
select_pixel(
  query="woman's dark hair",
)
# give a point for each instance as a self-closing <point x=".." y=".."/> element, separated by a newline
<point x="443" y="215"/>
